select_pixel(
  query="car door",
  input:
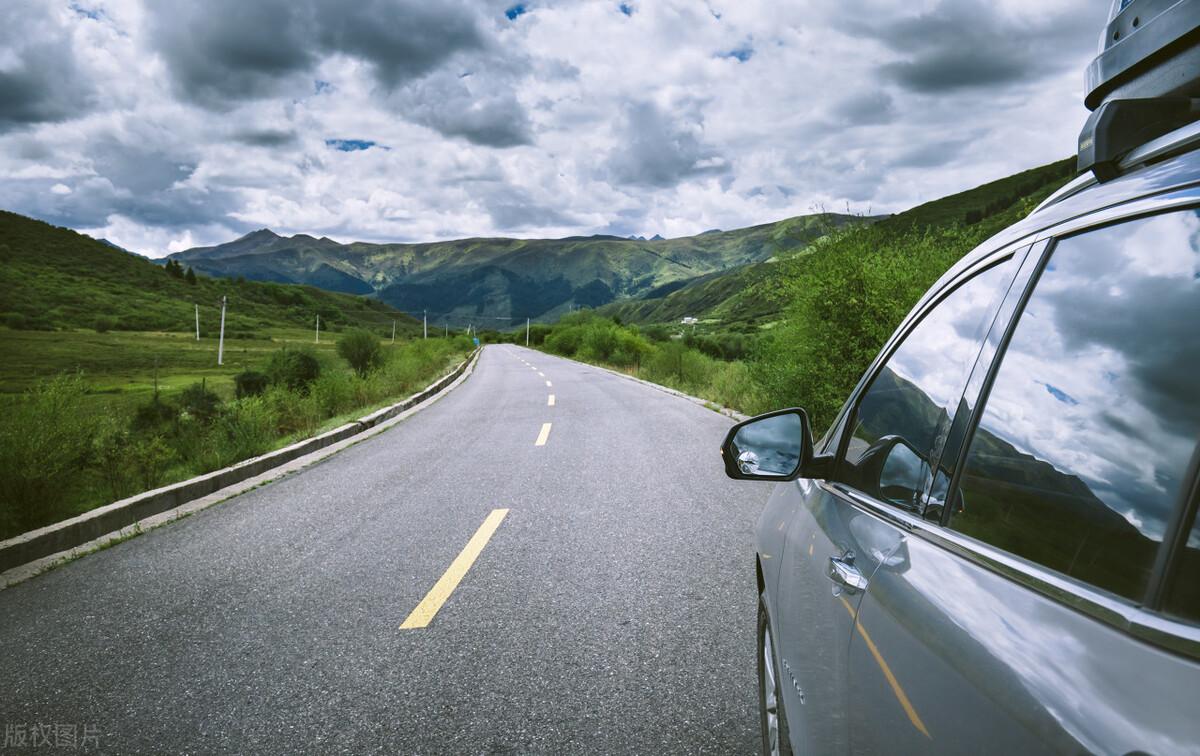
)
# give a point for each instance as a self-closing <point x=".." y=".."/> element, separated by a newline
<point x="1032" y="610"/>
<point x="832" y="544"/>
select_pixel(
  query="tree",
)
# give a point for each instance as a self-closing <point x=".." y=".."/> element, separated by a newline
<point x="361" y="349"/>
<point x="191" y="276"/>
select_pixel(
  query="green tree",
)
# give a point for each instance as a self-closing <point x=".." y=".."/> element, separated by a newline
<point x="361" y="349"/>
<point x="191" y="276"/>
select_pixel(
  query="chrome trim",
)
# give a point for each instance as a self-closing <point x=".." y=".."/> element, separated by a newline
<point x="1074" y="186"/>
<point x="1173" y="199"/>
<point x="1172" y="635"/>
<point x="1180" y="140"/>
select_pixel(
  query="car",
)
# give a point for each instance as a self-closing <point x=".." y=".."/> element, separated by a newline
<point x="995" y="547"/>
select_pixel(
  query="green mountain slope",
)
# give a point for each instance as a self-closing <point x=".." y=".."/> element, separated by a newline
<point x="505" y="278"/>
<point x="741" y="297"/>
<point x="53" y="278"/>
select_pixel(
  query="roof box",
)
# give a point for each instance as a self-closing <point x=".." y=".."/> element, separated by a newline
<point x="1144" y="82"/>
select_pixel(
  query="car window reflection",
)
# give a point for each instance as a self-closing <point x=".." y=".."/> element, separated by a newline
<point x="1093" y="414"/>
<point x="904" y="416"/>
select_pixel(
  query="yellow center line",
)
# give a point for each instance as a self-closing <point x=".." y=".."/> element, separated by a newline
<point x="887" y="673"/>
<point x="550" y="401"/>
<point x="429" y="606"/>
<point x="543" y="436"/>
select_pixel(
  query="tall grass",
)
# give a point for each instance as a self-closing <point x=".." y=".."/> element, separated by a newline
<point x="57" y="459"/>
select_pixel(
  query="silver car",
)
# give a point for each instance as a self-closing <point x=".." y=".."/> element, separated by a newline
<point x="995" y="546"/>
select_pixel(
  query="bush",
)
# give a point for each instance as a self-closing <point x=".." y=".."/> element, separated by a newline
<point x="45" y="439"/>
<point x="361" y="349"/>
<point x="153" y="414"/>
<point x="104" y="323"/>
<point x="250" y="383"/>
<point x="199" y="402"/>
<point x="16" y="321"/>
<point x="245" y="429"/>
<point x="845" y="302"/>
<point x="293" y="368"/>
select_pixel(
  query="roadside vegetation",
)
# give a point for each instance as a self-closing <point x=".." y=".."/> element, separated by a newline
<point x="835" y="304"/>
<point x="106" y="390"/>
<point x="64" y="449"/>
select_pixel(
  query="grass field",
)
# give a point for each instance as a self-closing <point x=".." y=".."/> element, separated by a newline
<point x="120" y="366"/>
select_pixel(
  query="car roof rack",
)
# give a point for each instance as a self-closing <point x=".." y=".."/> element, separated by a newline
<point x="1144" y="83"/>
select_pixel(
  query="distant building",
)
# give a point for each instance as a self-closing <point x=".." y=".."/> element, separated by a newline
<point x="690" y="321"/>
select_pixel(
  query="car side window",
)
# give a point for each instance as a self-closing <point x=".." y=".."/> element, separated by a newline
<point x="1079" y="457"/>
<point x="910" y="402"/>
<point x="1182" y="597"/>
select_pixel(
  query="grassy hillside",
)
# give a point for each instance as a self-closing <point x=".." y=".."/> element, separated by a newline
<point x="105" y="390"/>
<point x="505" y="278"/>
<point x="53" y="278"/>
<point x="744" y="298"/>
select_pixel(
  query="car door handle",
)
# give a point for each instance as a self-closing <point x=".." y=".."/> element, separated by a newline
<point x="843" y="572"/>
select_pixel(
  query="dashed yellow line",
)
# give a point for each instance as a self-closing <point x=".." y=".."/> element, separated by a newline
<point x="437" y="596"/>
<point x="543" y="436"/>
<point x="887" y="673"/>
<point x="550" y="401"/>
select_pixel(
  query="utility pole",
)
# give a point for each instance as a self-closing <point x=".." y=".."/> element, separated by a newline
<point x="526" y="331"/>
<point x="197" y="322"/>
<point x="447" y="329"/>
<point x="221" y="341"/>
<point x="318" y="339"/>
<point x="425" y="321"/>
<point x="393" y="331"/>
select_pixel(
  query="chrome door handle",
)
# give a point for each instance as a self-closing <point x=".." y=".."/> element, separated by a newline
<point x="843" y="572"/>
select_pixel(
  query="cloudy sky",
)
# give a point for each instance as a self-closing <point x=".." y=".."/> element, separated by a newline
<point x="166" y="124"/>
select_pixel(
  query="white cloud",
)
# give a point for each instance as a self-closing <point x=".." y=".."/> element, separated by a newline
<point x="571" y="118"/>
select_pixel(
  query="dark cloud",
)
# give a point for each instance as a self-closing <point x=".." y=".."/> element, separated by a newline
<point x="867" y="107"/>
<point x="512" y="207"/>
<point x="266" y="137"/>
<point x="963" y="45"/>
<point x="228" y="50"/>
<point x="136" y="179"/>
<point x="42" y="81"/>
<point x="932" y="153"/>
<point x="658" y="151"/>
<point x="481" y="108"/>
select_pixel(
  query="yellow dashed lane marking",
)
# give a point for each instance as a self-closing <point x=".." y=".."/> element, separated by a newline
<point x="429" y="606"/>
<point x="543" y="436"/>
<point x="887" y="673"/>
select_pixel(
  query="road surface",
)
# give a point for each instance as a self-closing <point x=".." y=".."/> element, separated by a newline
<point x="611" y="609"/>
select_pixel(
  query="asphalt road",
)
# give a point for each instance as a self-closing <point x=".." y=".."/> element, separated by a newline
<point x="612" y="610"/>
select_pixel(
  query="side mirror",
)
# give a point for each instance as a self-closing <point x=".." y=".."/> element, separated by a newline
<point x="775" y="446"/>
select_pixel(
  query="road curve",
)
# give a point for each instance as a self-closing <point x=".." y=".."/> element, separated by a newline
<point x="611" y="610"/>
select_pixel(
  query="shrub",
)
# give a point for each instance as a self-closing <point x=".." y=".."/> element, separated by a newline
<point x="361" y="349"/>
<point x="199" y="402"/>
<point x="104" y="323"/>
<point x="45" y="439"/>
<point x="148" y="458"/>
<point x="250" y="383"/>
<point x="16" y="321"/>
<point x="153" y="414"/>
<point x="293" y="368"/>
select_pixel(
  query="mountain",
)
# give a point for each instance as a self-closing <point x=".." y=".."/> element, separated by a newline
<point x="501" y="279"/>
<point x="53" y="278"/>
<point x="741" y="296"/>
